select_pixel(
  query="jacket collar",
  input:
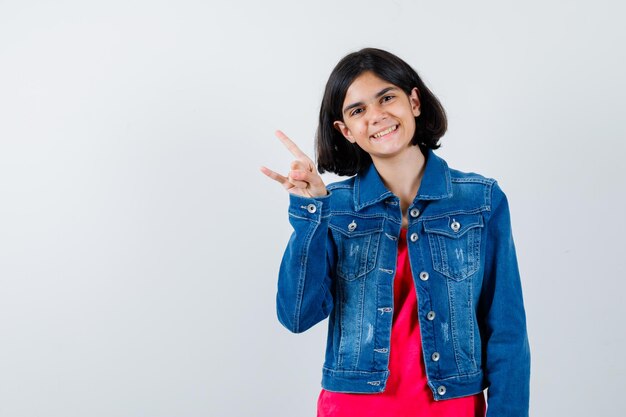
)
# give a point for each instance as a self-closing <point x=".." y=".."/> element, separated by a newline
<point x="436" y="184"/>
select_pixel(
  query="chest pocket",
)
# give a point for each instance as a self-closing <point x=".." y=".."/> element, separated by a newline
<point x="357" y="242"/>
<point x="455" y="244"/>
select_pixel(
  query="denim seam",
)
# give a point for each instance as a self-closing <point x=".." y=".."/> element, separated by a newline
<point x="453" y="327"/>
<point x="486" y="181"/>
<point x="467" y="375"/>
<point x="358" y="215"/>
<point x="339" y="318"/>
<point x="337" y="371"/>
<point x="393" y="306"/>
<point x="471" y="320"/>
<point x="303" y="270"/>
<point x="366" y="255"/>
<point x="357" y="352"/>
<point x="342" y="230"/>
<point x="383" y="196"/>
<point x="376" y="338"/>
<point x="338" y="186"/>
<point x="487" y="196"/>
<point x="465" y="230"/>
<point x="315" y="219"/>
<point x="456" y="212"/>
<point x="395" y="221"/>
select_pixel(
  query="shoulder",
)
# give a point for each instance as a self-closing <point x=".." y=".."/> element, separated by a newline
<point x="461" y="177"/>
<point x="342" y="192"/>
<point x="484" y="189"/>
<point x="347" y="184"/>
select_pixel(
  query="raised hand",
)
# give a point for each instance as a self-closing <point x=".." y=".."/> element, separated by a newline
<point x="303" y="179"/>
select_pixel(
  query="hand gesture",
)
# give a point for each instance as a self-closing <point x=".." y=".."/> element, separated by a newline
<point x="303" y="179"/>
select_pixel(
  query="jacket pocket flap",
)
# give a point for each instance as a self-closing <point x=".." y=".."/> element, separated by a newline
<point x="453" y="226"/>
<point x="355" y="226"/>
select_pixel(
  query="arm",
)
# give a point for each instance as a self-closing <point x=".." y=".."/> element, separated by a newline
<point x="503" y="321"/>
<point x="304" y="297"/>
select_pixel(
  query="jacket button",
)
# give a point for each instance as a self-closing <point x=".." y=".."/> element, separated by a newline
<point x="311" y="208"/>
<point x="352" y="226"/>
<point x="414" y="237"/>
<point x="424" y="276"/>
<point x="455" y="226"/>
<point x="430" y="315"/>
<point x="441" y="390"/>
<point x="414" y="212"/>
<point x="435" y="356"/>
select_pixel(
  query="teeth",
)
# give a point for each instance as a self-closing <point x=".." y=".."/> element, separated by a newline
<point x="384" y="132"/>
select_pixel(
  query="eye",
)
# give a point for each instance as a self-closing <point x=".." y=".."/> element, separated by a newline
<point x="387" y="98"/>
<point x="356" y="111"/>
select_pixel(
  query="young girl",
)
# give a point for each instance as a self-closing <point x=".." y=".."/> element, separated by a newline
<point x="412" y="261"/>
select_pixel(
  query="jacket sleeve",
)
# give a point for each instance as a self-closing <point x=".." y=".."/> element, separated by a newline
<point x="503" y="320"/>
<point x="304" y="295"/>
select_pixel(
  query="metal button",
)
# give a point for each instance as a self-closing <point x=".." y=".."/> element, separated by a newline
<point x="455" y="226"/>
<point x="441" y="390"/>
<point x="424" y="276"/>
<point x="414" y="212"/>
<point x="414" y="237"/>
<point x="352" y="226"/>
<point x="311" y="208"/>
<point x="430" y="315"/>
<point x="435" y="356"/>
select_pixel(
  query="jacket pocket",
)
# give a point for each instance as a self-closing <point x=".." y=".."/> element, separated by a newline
<point x="455" y="244"/>
<point x="357" y="242"/>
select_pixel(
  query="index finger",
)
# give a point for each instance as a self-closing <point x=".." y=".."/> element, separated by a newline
<point x="291" y="146"/>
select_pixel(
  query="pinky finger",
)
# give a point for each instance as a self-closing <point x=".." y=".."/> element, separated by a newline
<point x="273" y="175"/>
<point x="284" y="181"/>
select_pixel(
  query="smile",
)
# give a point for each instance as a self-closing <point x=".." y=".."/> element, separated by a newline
<point x="384" y="132"/>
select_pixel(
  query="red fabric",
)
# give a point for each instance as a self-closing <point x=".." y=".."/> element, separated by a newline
<point x="406" y="393"/>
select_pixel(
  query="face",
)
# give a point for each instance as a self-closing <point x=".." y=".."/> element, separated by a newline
<point x="379" y="116"/>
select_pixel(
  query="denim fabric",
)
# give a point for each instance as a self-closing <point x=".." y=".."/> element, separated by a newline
<point x="340" y="263"/>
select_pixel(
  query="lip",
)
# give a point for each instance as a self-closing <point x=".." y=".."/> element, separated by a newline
<point x="382" y="130"/>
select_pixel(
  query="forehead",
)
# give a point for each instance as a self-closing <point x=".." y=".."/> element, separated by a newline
<point x="365" y="87"/>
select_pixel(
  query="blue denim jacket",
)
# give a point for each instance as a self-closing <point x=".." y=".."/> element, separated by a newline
<point x="340" y="263"/>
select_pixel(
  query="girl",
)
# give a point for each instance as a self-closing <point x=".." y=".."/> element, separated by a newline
<point x="412" y="261"/>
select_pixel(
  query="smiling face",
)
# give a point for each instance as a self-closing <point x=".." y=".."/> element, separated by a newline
<point x="378" y="116"/>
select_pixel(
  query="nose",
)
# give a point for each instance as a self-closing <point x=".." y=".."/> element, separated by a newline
<point x="377" y="114"/>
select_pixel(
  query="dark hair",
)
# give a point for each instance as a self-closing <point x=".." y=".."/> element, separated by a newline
<point x="334" y="152"/>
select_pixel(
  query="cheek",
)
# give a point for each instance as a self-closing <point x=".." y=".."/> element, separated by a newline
<point x="361" y="128"/>
<point x="357" y="129"/>
<point x="410" y="126"/>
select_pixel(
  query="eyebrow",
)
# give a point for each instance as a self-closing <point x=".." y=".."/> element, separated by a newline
<point x="360" y="103"/>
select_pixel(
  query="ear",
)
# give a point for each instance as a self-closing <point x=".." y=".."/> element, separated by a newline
<point x="341" y="126"/>
<point x="414" y="99"/>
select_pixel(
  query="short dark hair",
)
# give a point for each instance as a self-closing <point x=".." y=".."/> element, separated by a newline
<point x="336" y="154"/>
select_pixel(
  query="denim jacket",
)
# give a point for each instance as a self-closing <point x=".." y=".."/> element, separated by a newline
<point x="340" y="263"/>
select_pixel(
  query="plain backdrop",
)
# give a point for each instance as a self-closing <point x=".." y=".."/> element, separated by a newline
<point x="140" y="244"/>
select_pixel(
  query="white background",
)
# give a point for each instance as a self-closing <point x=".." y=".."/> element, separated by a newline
<point x="139" y="243"/>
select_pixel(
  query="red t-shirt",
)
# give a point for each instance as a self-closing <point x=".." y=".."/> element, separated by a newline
<point x="406" y="393"/>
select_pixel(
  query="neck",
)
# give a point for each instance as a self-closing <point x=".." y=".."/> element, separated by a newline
<point x="403" y="174"/>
